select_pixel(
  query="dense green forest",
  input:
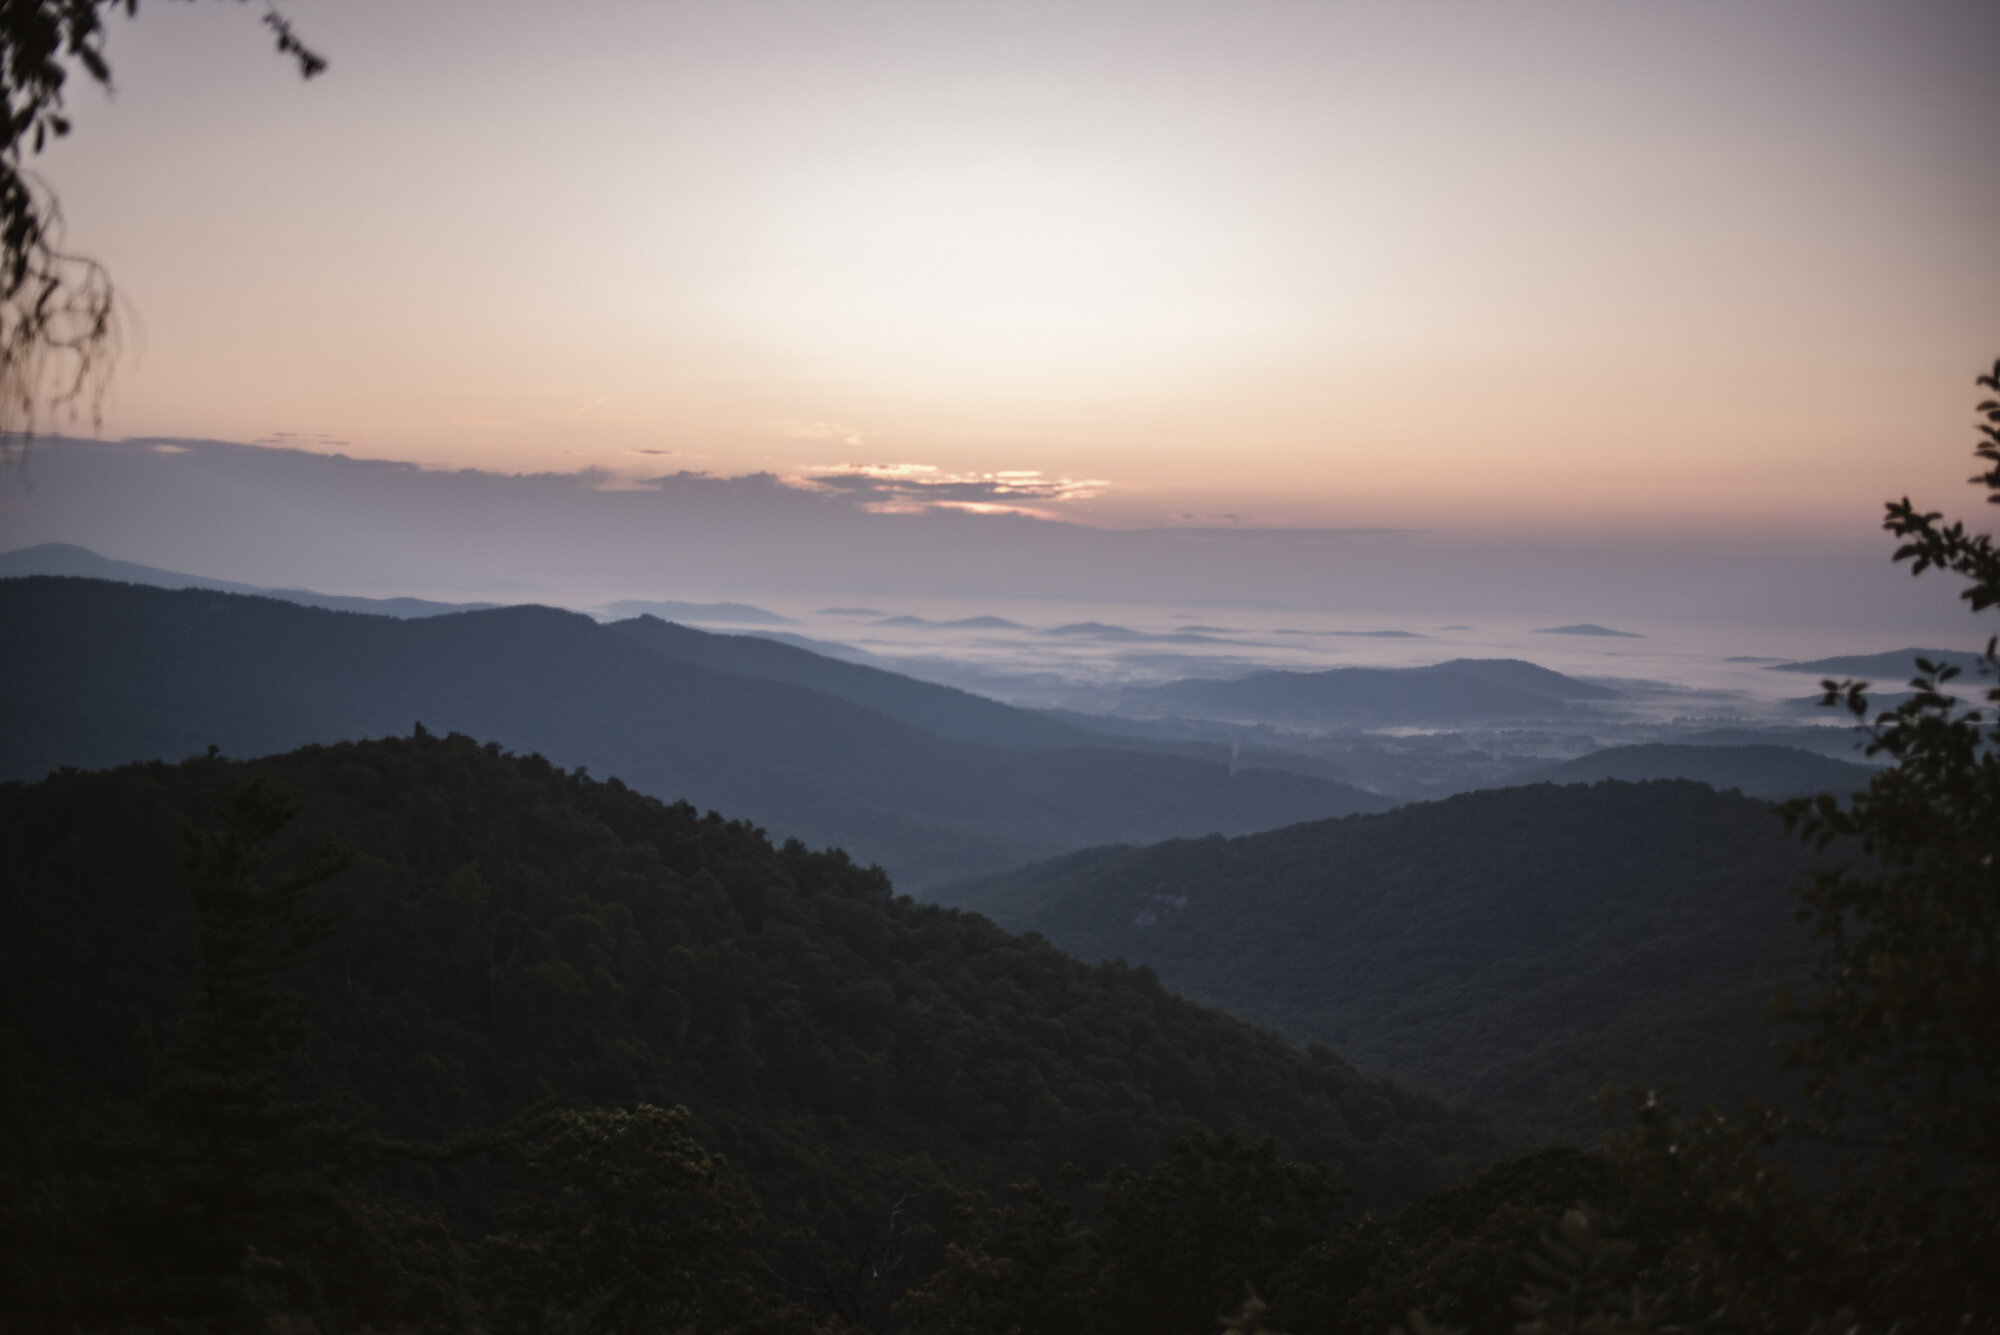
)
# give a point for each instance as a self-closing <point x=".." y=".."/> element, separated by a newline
<point x="1514" y="950"/>
<point x="381" y="1086"/>
<point x="102" y="673"/>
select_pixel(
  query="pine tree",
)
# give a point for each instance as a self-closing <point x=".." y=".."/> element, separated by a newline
<point x="244" y="1168"/>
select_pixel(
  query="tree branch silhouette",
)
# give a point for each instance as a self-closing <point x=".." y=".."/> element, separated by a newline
<point x="59" y="329"/>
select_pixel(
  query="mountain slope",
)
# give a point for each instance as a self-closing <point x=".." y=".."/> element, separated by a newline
<point x="1511" y="949"/>
<point x="1771" y="772"/>
<point x="944" y="710"/>
<point x="507" y="934"/>
<point x="1460" y="691"/>
<point x="1892" y="668"/>
<point x="733" y="614"/>
<point x="105" y="673"/>
<point x="62" y="558"/>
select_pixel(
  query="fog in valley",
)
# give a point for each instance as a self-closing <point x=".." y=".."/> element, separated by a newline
<point x="999" y="667"/>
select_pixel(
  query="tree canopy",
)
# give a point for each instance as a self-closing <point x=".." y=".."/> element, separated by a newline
<point x="1876" y="1207"/>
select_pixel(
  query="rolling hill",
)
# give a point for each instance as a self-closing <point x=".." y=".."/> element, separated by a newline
<point x="1457" y="692"/>
<point x="1512" y="949"/>
<point x="944" y="710"/>
<point x="62" y="558"/>
<point x="1771" y="772"/>
<point x="103" y="673"/>
<point x="506" y="938"/>
<point x="1893" y="668"/>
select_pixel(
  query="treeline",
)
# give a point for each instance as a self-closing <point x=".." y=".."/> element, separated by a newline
<point x="416" y="1056"/>
<point x="1513" y="950"/>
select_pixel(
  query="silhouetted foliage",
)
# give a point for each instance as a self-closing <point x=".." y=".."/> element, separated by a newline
<point x="58" y="328"/>
<point x="1876" y="1207"/>
<point x="637" y="1228"/>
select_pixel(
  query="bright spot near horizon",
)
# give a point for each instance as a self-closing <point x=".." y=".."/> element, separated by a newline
<point x="1023" y="267"/>
<point x="1307" y="265"/>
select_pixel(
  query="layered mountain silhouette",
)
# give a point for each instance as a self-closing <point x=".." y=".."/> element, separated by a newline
<point x="1463" y="690"/>
<point x="509" y="938"/>
<point x="1892" y="668"/>
<point x="1591" y="628"/>
<point x="1513" y="949"/>
<point x="1771" y="772"/>
<point x="62" y="558"/>
<point x="100" y="673"/>
<point x="727" y="614"/>
<point x="944" y="710"/>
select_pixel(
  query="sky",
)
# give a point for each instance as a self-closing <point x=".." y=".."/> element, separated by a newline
<point x="285" y="518"/>
<point x="1705" y="270"/>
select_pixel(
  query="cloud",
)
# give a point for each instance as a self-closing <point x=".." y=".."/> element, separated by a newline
<point x="916" y="488"/>
<point x="650" y="451"/>
<point x="846" y="435"/>
<point x="297" y="440"/>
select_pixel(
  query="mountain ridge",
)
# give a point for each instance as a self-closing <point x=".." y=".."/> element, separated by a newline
<point x="1757" y="770"/>
<point x="1512" y="949"/>
<point x="109" y="673"/>
<point x="68" y="559"/>
<point x="1460" y="690"/>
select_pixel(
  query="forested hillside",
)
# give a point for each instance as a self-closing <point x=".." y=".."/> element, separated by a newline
<point x="945" y="710"/>
<point x="501" y="936"/>
<point x="1462" y="691"/>
<point x="1512" y="949"/>
<point x="101" y="673"/>
<point x="1771" y="772"/>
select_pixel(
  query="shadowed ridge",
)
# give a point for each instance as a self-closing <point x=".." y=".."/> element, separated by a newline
<point x="1762" y="771"/>
<point x="1523" y="675"/>
<point x="944" y="710"/>
<point x="67" y="559"/>
<point x="107" y="673"/>
<point x="1513" y="949"/>
<point x="1460" y="691"/>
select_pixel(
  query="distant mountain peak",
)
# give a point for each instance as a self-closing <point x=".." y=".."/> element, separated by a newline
<point x="65" y="559"/>
<point x="728" y="614"/>
<point x="1590" y="628"/>
<point x="1900" y="663"/>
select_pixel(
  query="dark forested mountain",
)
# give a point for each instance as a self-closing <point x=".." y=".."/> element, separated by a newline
<point x="1771" y="772"/>
<point x="501" y="935"/>
<point x="100" y="673"/>
<point x="1512" y="949"/>
<point x="1460" y="691"/>
<point x="1520" y="675"/>
<point x="944" y="710"/>
<point x="62" y="558"/>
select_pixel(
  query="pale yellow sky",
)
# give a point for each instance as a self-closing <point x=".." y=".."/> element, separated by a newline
<point x="1573" y="264"/>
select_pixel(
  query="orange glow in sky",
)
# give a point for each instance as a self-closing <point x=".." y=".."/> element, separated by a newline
<point x="1498" y="265"/>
